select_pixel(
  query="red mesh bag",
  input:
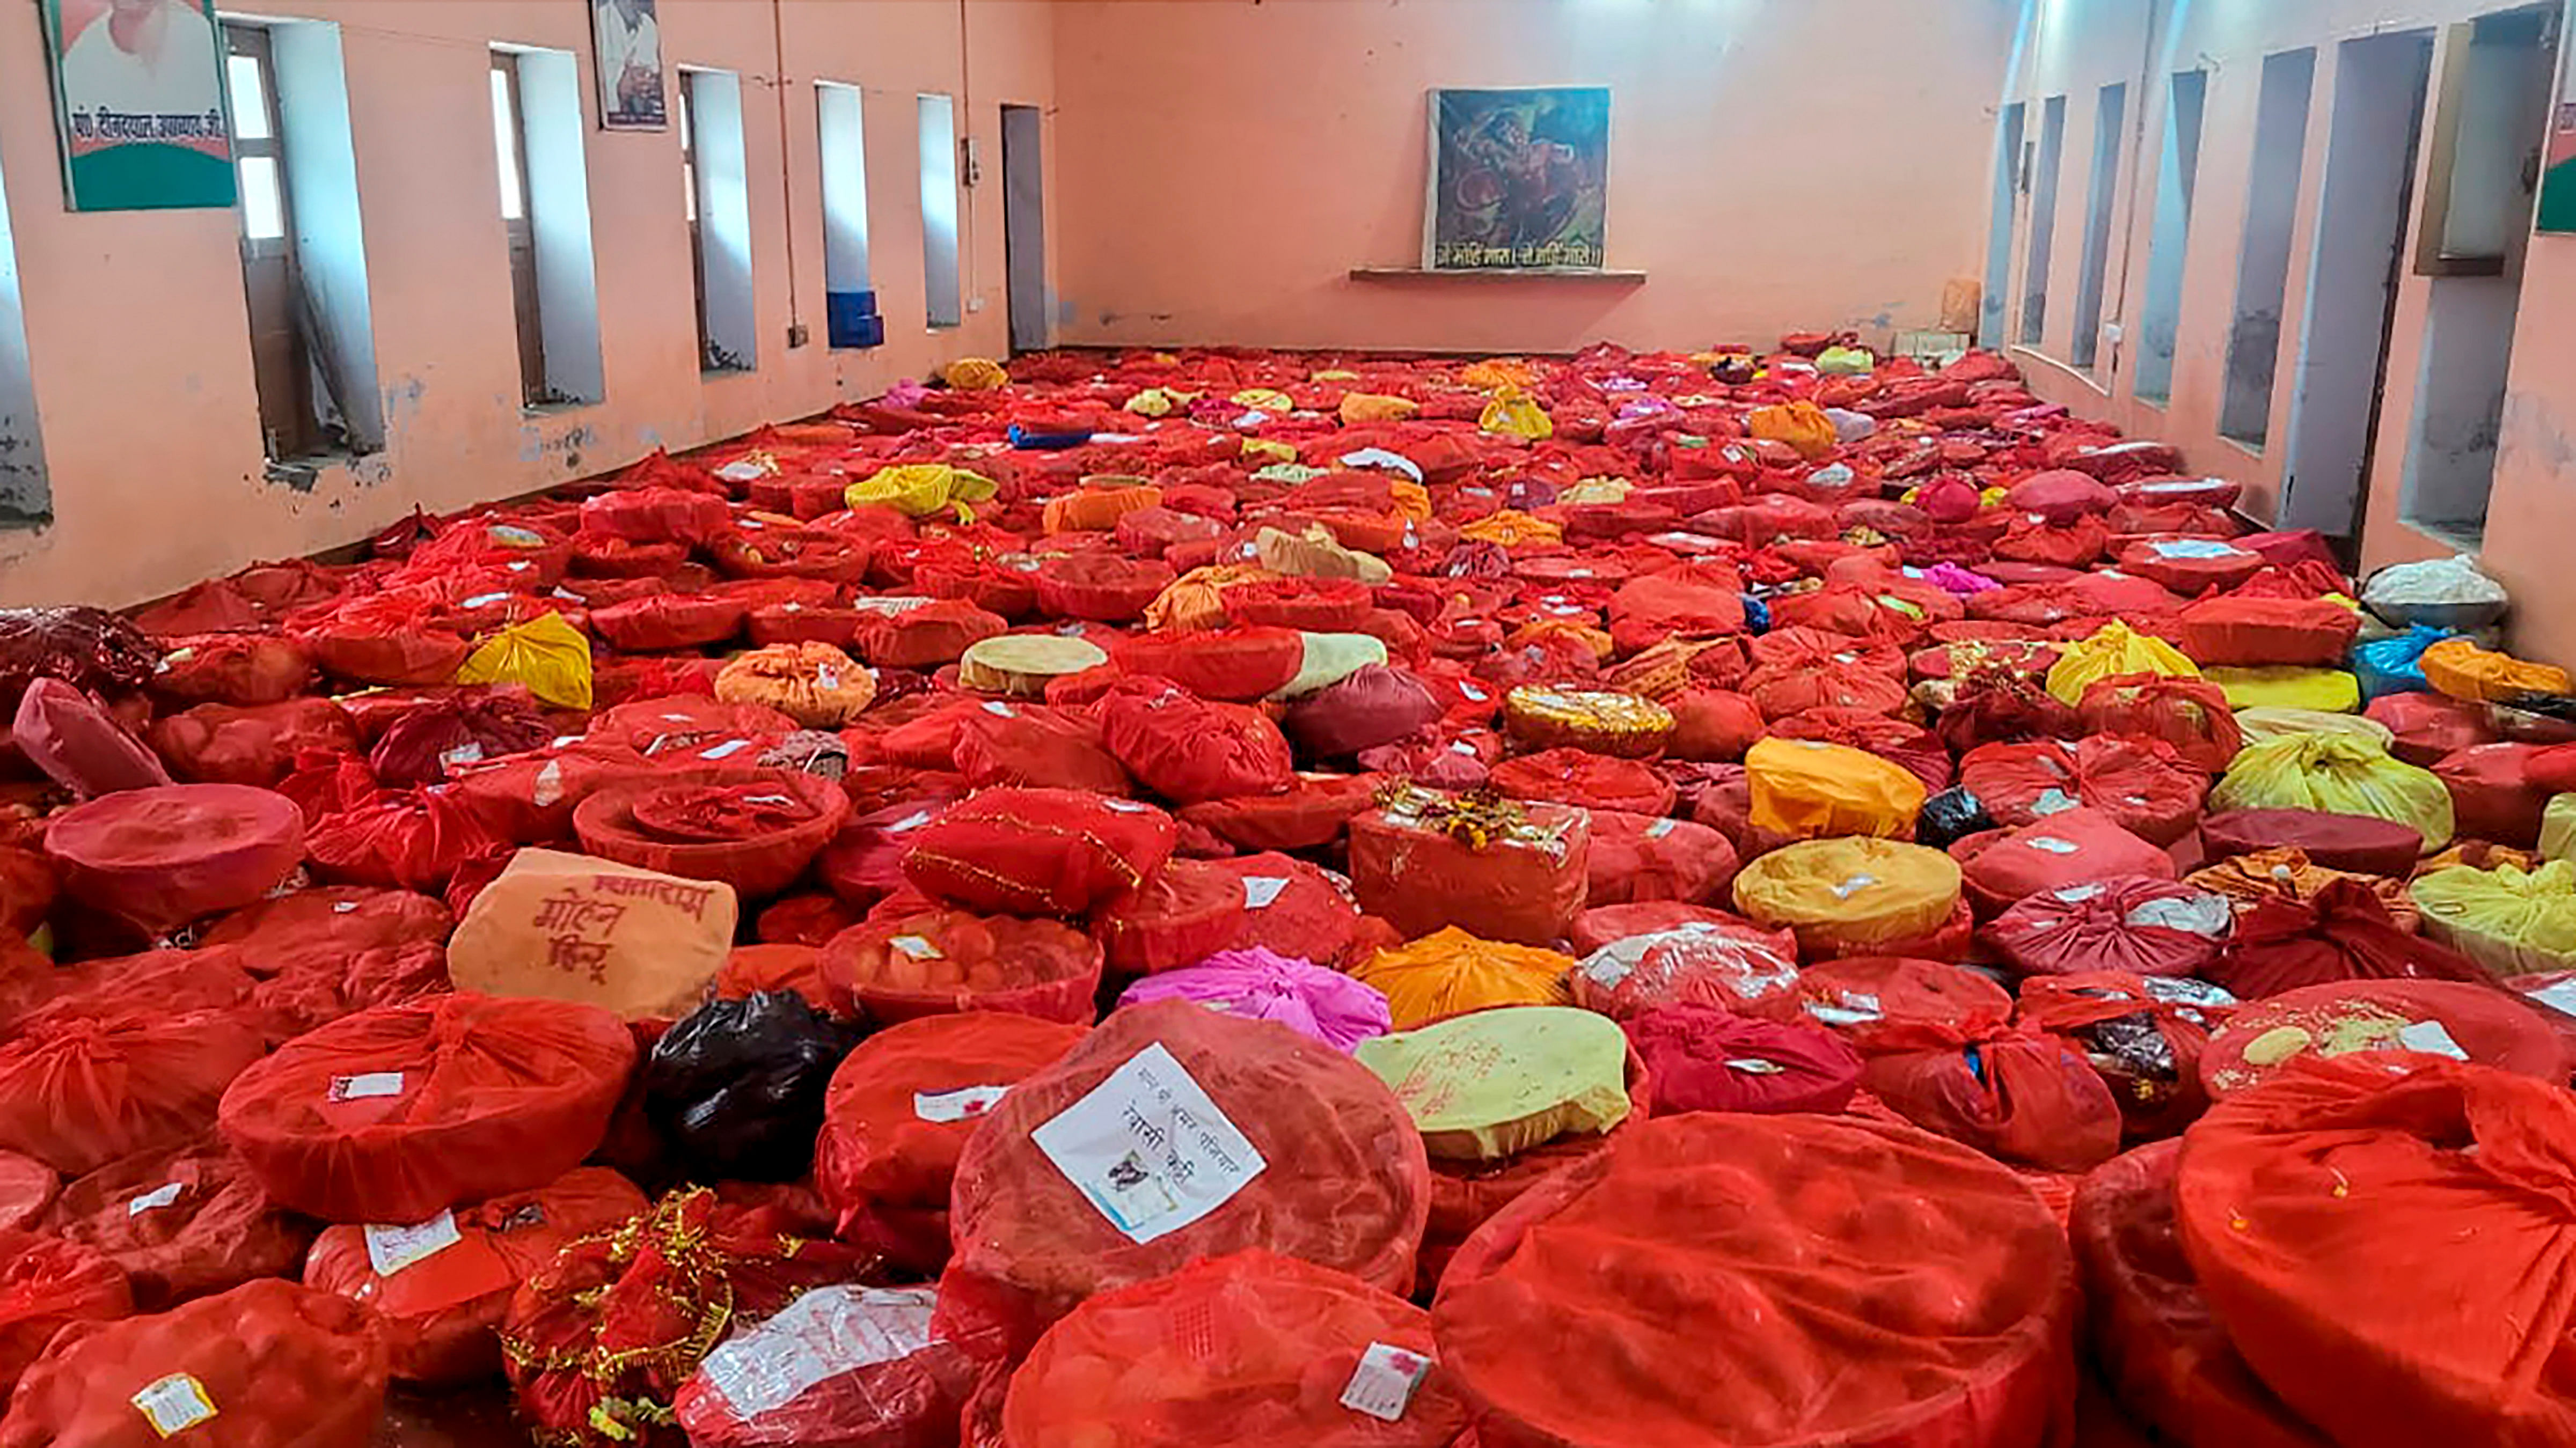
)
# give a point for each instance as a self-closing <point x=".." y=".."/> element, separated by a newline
<point x="1310" y="605"/>
<point x="415" y="840"/>
<point x="2428" y="727"/>
<point x="1312" y="814"/>
<point x="853" y="1367"/>
<point x="1894" y="740"/>
<point x="77" y="1092"/>
<point x="1720" y="963"/>
<point x="27" y="1187"/>
<point x="266" y="1365"/>
<point x="2260" y="631"/>
<point x="2388" y="1023"/>
<point x="1297" y="910"/>
<point x="1343" y="1181"/>
<point x="1967" y="1304"/>
<point x="927" y="636"/>
<point x="2341" y="933"/>
<point x="899" y="1111"/>
<point x="2150" y="1326"/>
<point x="1038" y="851"/>
<point x="219" y="744"/>
<point x="2361" y="844"/>
<point x="1233" y="663"/>
<point x="597" y="1342"/>
<point x="2069" y="847"/>
<point x="1591" y="781"/>
<point x="2143" y="1035"/>
<point x="657" y="515"/>
<point x="1885" y="1004"/>
<point x="667" y="622"/>
<point x="1101" y="587"/>
<point x="2493" y="795"/>
<point x="1035" y="746"/>
<point x="1189" y="750"/>
<point x="393" y="1115"/>
<point x="904" y="964"/>
<point x="1506" y="871"/>
<point x="1704" y="1058"/>
<point x="1647" y="857"/>
<point x="2322" y="1289"/>
<point x="1188" y="911"/>
<point x="47" y="1284"/>
<point x="2133" y="923"/>
<point x="233" y="668"/>
<point x="180" y="1224"/>
<point x="755" y="830"/>
<point x="1259" y="1348"/>
<point x="2189" y="714"/>
<point x="439" y="1312"/>
<point x="2139" y="784"/>
<point x="78" y="745"/>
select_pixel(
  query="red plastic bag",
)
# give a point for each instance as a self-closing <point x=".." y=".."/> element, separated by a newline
<point x="266" y="1365"/>
<point x="1703" y="1058"/>
<point x="219" y="744"/>
<point x="2264" y="631"/>
<point x="2429" y="727"/>
<point x="1189" y="750"/>
<point x="2493" y="796"/>
<point x="1886" y="1005"/>
<point x="2066" y="848"/>
<point x="1236" y="664"/>
<point x="1510" y="871"/>
<point x="2139" y="784"/>
<point x="899" y="1111"/>
<point x="666" y="622"/>
<point x="2132" y="923"/>
<point x="2019" y="1096"/>
<point x="1312" y="814"/>
<point x="2307" y="1208"/>
<point x="394" y="1115"/>
<point x="2342" y="933"/>
<point x="1949" y="1325"/>
<point x="1721" y="963"/>
<point x="2388" y="1021"/>
<point x="47" y="1284"/>
<point x="1586" y="780"/>
<point x="2145" y="1036"/>
<point x="845" y="1366"/>
<point x="78" y="746"/>
<point x="1343" y="1181"/>
<point x="902" y="964"/>
<point x="657" y="515"/>
<point x="414" y="840"/>
<point x="1643" y="857"/>
<point x="2189" y="714"/>
<point x="1038" y="851"/>
<point x="181" y="1223"/>
<point x="439" y="1312"/>
<point x="78" y="1092"/>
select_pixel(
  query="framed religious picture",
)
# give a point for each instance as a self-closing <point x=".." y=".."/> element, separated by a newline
<point x="626" y="36"/>
<point x="2557" y="211"/>
<point x="139" y="104"/>
<point x="1519" y="179"/>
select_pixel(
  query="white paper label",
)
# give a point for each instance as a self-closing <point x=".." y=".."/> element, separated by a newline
<point x="372" y="1083"/>
<point x="469" y="752"/>
<point x="1149" y="1149"/>
<point x="2078" y="894"/>
<point x="1474" y="694"/>
<point x="2052" y="801"/>
<point x="1853" y="886"/>
<point x="1260" y="890"/>
<point x="484" y="600"/>
<point x="391" y="1249"/>
<point x="999" y="711"/>
<point x="1125" y="806"/>
<point x="1660" y="828"/>
<point x="1855" y="1008"/>
<point x="174" y="1404"/>
<point x="742" y="470"/>
<point x="957" y="1105"/>
<point x="2559" y="996"/>
<point x="1755" y="1066"/>
<point x="2051" y="844"/>
<point x="549" y="787"/>
<point x="2432" y="1039"/>
<point x="155" y="1199"/>
<point x="828" y="1331"/>
<point x="2207" y="915"/>
<point x="726" y="750"/>
<point x="912" y="821"/>
<point x="1382" y="1386"/>
<point x="1463" y="747"/>
<point x="2194" y="548"/>
<point x="918" y="947"/>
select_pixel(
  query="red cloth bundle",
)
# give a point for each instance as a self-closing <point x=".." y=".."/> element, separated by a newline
<point x="1315" y="812"/>
<point x="668" y="622"/>
<point x="1032" y="745"/>
<point x="755" y="830"/>
<point x="902" y="964"/>
<point x="1101" y="587"/>
<point x="2139" y="784"/>
<point x="2493" y="795"/>
<point x="46" y="1284"/>
<point x="1514" y="872"/>
<point x="1235" y="664"/>
<point x="1297" y="910"/>
<point x="1885" y="1004"/>
<point x="415" y="840"/>
<point x="219" y="744"/>
<point x="2390" y="1021"/>
<point x="77" y="1092"/>
<point x="1310" y="605"/>
<point x="1038" y="851"/>
<point x="2237" y="630"/>
<point x="1578" y="777"/>
<point x="1647" y="857"/>
<point x="1188" y="911"/>
<point x="78" y="745"/>
<point x="1894" y="740"/>
<point x="657" y="515"/>
<point x="2342" y="933"/>
<point x="1189" y="750"/>
<point x="1704" y="1058"/>
<point x="2429" y="727"/>
<point x="2133" y="923"/>
<point x="2190" y="714"/>
<point x="1721" y="963"/>
<point x="2069" y="847"/>
<point x="2144" y="1035"/>
<point x="430" y="743"/>
<point x="1375" y="705"/>
<point x="529" y="798"/>
<point x="181" y="1223"/>
<point x="2362" y="844"/>
<point x="928" y="635"/>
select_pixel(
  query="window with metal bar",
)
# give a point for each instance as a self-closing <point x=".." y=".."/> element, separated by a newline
<point x="281" y="342"/>
<point x="510" y="143"/>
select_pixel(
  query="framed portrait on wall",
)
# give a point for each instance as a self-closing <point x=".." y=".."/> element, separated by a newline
<point x="626" y="36"/>
<point x="139" y="104"/>
<point x="1519" y="179"/>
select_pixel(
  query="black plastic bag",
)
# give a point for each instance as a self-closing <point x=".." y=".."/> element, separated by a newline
<point x="736" y="1088"/>
<point x="1950" y="816"/>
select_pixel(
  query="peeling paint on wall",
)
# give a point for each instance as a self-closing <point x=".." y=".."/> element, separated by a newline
<point x="25" y="498"/>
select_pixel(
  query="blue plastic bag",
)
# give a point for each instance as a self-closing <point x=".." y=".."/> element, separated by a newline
<point x="2395" y="665"/>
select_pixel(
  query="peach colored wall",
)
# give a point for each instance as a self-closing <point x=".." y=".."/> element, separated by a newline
<point x="2071" y="47"/>
<point x="1775" y="165"/>
<point x="136" y="321"/>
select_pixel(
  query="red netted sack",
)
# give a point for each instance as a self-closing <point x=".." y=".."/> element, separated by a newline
<point x="852" y="1367"/>
<point x="77" y="1092"/>
<point x="46" y="1284"/>
<point x="1038" y="851"/>
<point x="901" y="965"/>
<point x="2260" y="631"/>
<point x="162" y="857"/>
<point x="2493" y="796"/>
<point x="2150" y="1326"/>
<point x="657" y="515"/>
<point x="598" y="1341"/>
<point x="1232" y="663"/>
<point x="2427" y="727"/>
<point x="2324" y="1210"/>
<point x="181" y="1223"/>
<point x="1313" y="813"/>
<point x="1590" y="781"/>
<point x="1189" y="750"/>
<point x="219" y="744"/>
<point x="1101" y="587"/>
<point x="439" y="1312"/>
<point x="414" y="840"/>
<point x="2143" y="1035"/>
<point x="1248" y="1348"/>
<point x="1647" y="857"/>
<point x="1806" y="1314"/>
<point x="2386" y="1021"/>
<point x="1170" y="1134"/>
<point x="899" y="1111"/>
<point x="755" y="830"/>
<point x="666" y="622"/>
<point x="2341" y="933"/>
<point x="1187" y="912"/>
<point x="2133" y="923"/>
<point x="2362" y="844"/>
<point x="2138" y="784"/>
<point x="1884" y="1004"/>
<point x="1504" y="870"/>
<point x="1725" y="964"/>
<point x="2189" y="714"/>
<point x="394" y="1115"/>
<point x="266" y="1365"/>
<point x="64" y="733"/>
<point x="1704" y="1058"/>
<point x="2066" y="848"/>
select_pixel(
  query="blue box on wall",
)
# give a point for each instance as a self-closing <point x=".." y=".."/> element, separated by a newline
<point x="850" y="319"/>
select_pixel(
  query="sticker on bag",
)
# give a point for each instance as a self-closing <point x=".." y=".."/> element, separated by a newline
<point x="2052" y="844"/>
<point x="1149" y="1149"/>
<point x="155" y="1199"/>
<point x="174" y="1404"/>
<point x="391" y="1249"/>
<point x="964" y="1103"/>
<point x="1260" y="890"/>
<point x="2431" y="1038"/>
<point x="826" y="1332"/>
<point x="1383" y="1384"/>
<point x="366" y="1086"/>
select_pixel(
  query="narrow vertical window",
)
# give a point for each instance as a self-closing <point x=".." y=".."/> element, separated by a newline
<point x="939" y="210"/>
<point x="509" y="141"/>
<point x="280" y="344"/>
<point x="718" y="180"/>
<point x="849" y="293"/>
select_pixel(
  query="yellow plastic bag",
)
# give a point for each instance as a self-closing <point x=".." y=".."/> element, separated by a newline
<point x="1850" y="895"/>
<point x="2261" y="723"/>
<point x="1514" y="413"/>
<point x="1511" y="528"/>
<point x="2558" y="828"/>
<point x="1360" y="407"/>
<point x="1264" y="399"/>
<point x="547" y="654"/>
<point x="2462" y="670"/>
<point x="1494" y="1084"/>
<point x="1802" y="425"/>
<point x="918" y="490"/>
<point x="2339" y="775"/>
<point x="2283" y="686"/>
<point x="1846" y="362"/>
<point x="2114" y="649"/>
<point x="1450" y="971"/>
<point x="1809" y="789"/>
<point x="2508" y="920"/>
<point x="1496" y="373"/>
<point x="974" y="374"/>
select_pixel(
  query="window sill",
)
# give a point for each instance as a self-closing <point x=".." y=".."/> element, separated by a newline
<point x="556" y="409"/>
<point x="717" y="374"/>
<point x="2252" y="449"/>
<point x="306" y="473"/>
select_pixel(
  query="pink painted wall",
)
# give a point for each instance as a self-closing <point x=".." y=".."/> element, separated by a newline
<point x="137" y="334"/>
<point x="1775" y="165"/>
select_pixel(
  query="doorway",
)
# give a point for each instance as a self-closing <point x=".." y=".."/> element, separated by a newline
<point x="1024" y="227"/>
